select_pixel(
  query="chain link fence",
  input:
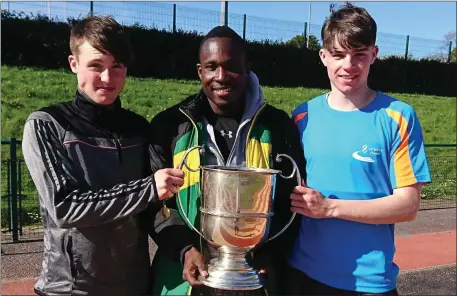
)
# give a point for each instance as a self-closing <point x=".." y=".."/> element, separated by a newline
<point x="172" y="18"/>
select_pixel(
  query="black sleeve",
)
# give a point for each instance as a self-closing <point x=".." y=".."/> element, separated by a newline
<point x="170" y="234"/>
<point x="69" y="201"/>
<point x="286" y="140"/>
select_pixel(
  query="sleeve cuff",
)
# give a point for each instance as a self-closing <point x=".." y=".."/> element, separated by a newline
<point x="183" y="252"/>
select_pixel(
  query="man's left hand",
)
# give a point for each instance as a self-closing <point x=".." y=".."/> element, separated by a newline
<point x="310" y="203"/>
<point x="194" y="267"/>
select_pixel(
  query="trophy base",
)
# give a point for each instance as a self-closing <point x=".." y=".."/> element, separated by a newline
<point x="230" y="271"/>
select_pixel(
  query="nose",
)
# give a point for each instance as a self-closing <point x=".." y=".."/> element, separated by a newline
<point x="348" y="62"/>
<point x="220" y="74"/>
<point x="106" y="76"/>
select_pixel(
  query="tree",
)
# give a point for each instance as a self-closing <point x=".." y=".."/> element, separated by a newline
<point x="443" y="53"/>
<point x="299" y="41"/>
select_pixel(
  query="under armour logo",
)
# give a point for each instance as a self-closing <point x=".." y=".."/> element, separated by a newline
<point x="229" y="134"/>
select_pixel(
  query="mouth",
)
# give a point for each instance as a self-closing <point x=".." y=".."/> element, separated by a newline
<point x="348" y="77"/>
<point x="106" y="89"/>
<point x="222" y="91"/>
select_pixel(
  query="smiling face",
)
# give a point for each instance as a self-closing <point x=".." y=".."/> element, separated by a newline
<point x="348" y="69"/>
<point x="99" y="75"/>
<point x="223" y="72"/>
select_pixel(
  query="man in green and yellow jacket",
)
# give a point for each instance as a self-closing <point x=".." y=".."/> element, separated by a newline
<point x="230" y="118"/>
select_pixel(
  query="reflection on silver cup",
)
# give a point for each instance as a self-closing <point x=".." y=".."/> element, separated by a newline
<point x="237" y="206"/>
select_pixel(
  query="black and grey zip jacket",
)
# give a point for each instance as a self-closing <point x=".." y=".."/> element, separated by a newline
<point x="90" y="165"/>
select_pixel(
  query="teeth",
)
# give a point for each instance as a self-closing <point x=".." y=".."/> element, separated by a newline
<point x="222" y="90"/>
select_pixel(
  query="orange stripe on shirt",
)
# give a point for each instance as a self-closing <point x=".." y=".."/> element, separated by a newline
<point x="403" y="167"/>
<point x="299" y="116"/>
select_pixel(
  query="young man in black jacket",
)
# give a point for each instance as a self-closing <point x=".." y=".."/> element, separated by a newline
<point x="88" y="159"/>
<point x="231" y="119"/>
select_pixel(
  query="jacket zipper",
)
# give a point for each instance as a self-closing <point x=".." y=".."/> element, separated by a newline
<point x="216" y="151"/>
<point x="116" y="139"/>
<point x="118" y="144"/>
<point x="253" y="121"/>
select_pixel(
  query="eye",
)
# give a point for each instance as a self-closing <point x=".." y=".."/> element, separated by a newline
<point x="211" y="67"/>
<point x="118" y="66"/>
<point x="235" y="67"/>
<point x="97" y="66"/>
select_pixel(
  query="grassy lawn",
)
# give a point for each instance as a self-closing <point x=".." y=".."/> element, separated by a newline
<point x="26" y="90"/>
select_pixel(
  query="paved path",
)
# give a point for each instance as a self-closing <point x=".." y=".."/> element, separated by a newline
<point x="426" y="254"/>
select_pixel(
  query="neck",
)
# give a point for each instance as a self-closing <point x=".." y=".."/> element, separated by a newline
<point x="233" y="110"/>
<point x="350" y="101"/>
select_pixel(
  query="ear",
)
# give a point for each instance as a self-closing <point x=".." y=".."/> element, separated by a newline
<point x="199" y="71"/>
<point x="374" y="53"/>
<point x="73" y="63"/>
<point x="323" y="56"/>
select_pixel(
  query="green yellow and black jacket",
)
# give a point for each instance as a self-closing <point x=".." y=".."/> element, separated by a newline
<point x="264" y="132"/>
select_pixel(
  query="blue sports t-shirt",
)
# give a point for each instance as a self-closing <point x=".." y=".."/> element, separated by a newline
<point x="356" y="155"/>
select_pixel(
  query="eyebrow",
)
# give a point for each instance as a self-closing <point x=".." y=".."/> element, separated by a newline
<point x="101" y="61"/>
<point x="361" y="49"/>
<point x="213" y="61"/>
<point x="96" y="60"/>
<point x="337" y="51"/>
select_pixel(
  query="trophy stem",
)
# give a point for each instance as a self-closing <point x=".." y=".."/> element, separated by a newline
<point x="231" y="271"/>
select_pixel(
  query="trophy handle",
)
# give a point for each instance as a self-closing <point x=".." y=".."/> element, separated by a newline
<point x="181" y="165"/>
<point x="296" y="172"/>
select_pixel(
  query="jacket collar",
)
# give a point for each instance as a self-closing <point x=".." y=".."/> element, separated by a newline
<point x="88" y="109"/>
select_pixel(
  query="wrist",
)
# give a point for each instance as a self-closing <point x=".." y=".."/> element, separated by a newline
<point x="190" y="251"/>
<point x="184" y="253"/>
<point x="333" y="208"/>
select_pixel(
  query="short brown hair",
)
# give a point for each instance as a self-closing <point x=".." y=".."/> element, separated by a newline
<point x="351" y="26"/>
<point x="104" y="34"/>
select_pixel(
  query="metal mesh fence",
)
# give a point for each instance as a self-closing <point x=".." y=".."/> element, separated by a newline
<point x="163" y="16"/>
<point x="441" y="193"/>
<point x="259" y="29"/>
<point x="27" y="205"/>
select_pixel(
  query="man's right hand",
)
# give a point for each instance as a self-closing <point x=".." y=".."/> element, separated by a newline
<point x="168" y="182"/>
<point x="194" y="266"/>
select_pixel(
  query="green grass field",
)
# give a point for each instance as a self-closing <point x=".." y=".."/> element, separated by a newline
<point x="26" y="90"/>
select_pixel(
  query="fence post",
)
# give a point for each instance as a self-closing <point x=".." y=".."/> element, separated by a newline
<point x="49" y="10"/>
<point x="174" y="18"/>
<point x="14" y="214"/>
<point x="224" y="13"/>
<point x="305" y="32"/>
<point x="8" y="178"/>
<point x="91" y="12"/>
<point x="407" y="46"/>
<point x="19" y="195"/>
<point x="450" y="52"/>
<point x="244" y="27"/>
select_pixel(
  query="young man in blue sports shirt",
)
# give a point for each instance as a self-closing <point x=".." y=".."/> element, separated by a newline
<point x="366" y="164"/>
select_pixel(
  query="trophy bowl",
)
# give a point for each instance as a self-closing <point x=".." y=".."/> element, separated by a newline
<point x="236" y="210"/>
<point x="235" y="215"/>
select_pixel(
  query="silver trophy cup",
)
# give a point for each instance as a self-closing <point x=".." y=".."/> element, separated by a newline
<point x="237" y="206"/>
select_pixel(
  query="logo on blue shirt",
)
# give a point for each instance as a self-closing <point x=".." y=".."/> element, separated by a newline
<point x="367" y="154"/>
